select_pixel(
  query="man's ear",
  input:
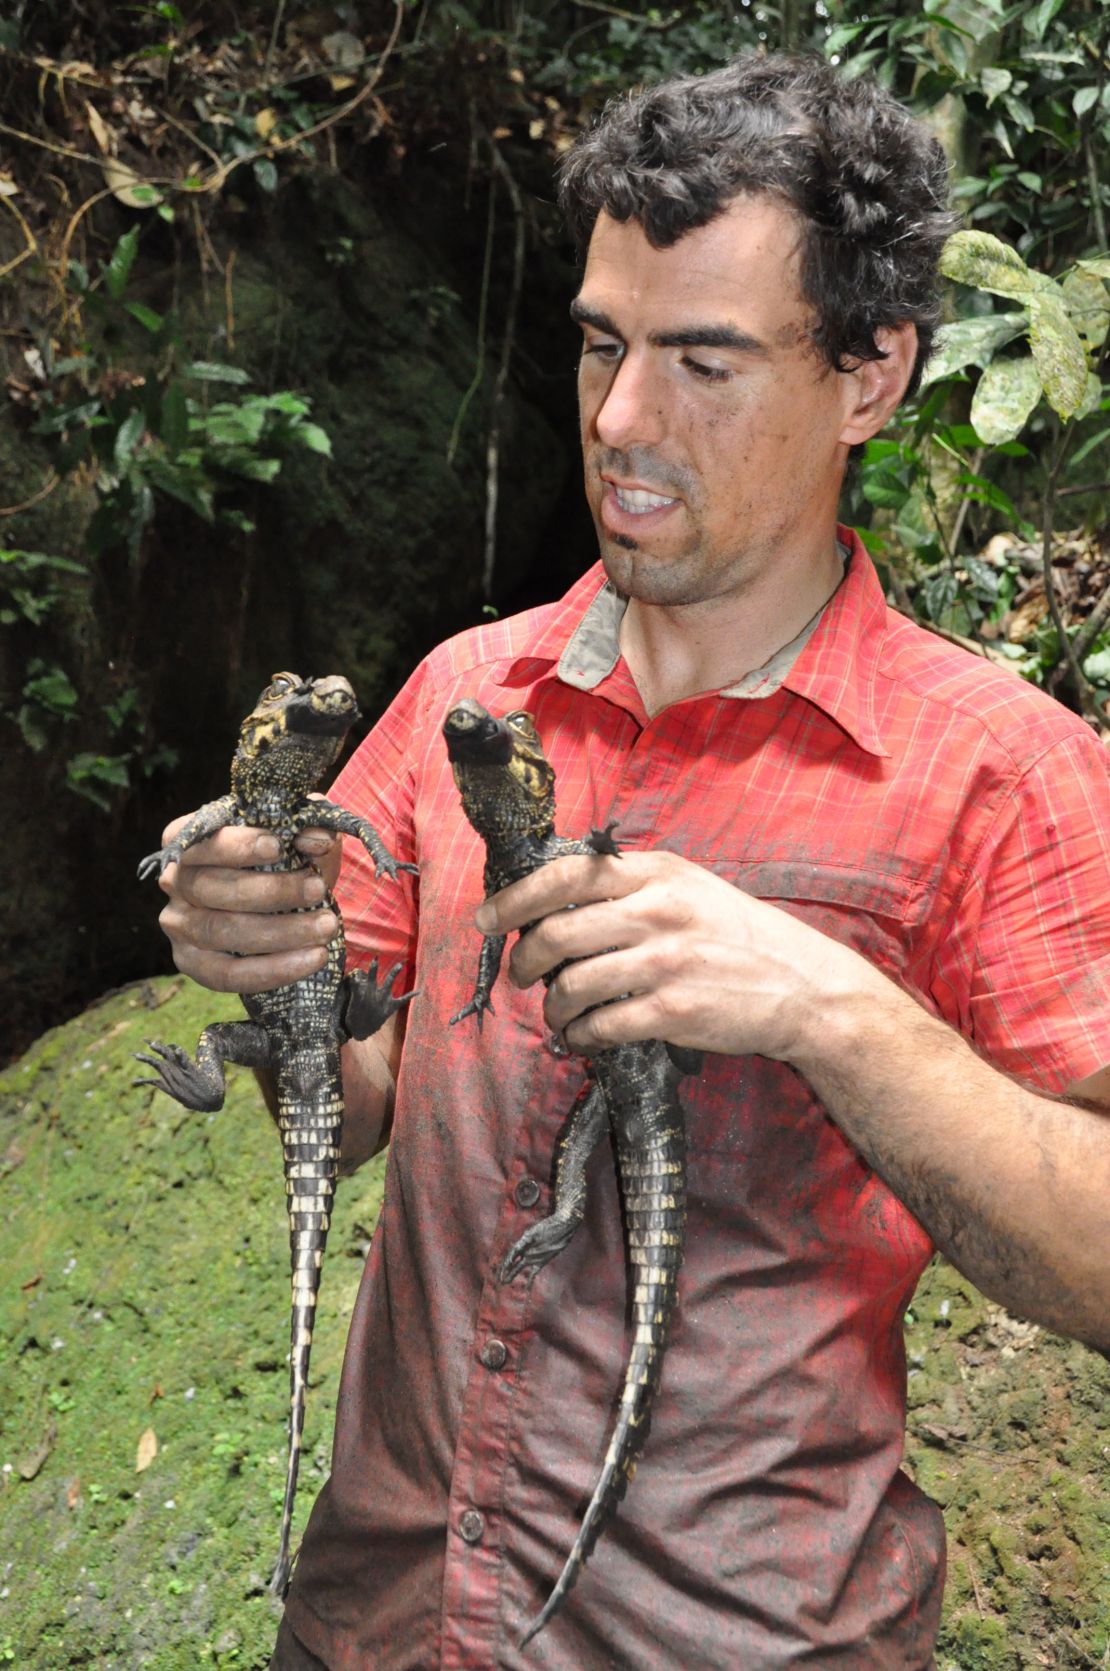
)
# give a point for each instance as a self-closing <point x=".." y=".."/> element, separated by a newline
<point x="878" y="385"/>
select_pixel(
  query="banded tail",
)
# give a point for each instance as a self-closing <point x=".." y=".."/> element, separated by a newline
<point x="310" y="1143"/>
<point x="653" y="1182"/>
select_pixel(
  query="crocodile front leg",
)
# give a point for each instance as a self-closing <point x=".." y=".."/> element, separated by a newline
<point x="200" y="1084"/>
<point x="325" y="815"/>
<point x="213" y="816"/>
<point x="489" y="964"/>
<point x="541" y="1242"/>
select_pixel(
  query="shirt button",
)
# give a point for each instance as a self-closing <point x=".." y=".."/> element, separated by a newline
<point x="471" y="1526"/>
<point x="494" y="1354"/>
<point x="527" y="1192"/>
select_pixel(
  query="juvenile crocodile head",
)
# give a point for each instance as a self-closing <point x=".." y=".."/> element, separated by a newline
<point x="503" y="776"/>
<point x="293" y="734"/>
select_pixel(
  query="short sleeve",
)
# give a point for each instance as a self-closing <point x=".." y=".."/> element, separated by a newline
<point x="1033" y="922"/>
<point x="380" y="914"/>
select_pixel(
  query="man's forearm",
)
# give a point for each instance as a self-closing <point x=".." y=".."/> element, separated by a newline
<point x="1011" y="1184"/>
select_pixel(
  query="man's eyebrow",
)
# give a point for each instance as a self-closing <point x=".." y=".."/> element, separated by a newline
<point x="689" y="336"/>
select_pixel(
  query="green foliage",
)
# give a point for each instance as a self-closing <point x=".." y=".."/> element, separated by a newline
<point x="1021" y="95"/>
<point x="124" y="412"/>
<point x="147" y="426"/>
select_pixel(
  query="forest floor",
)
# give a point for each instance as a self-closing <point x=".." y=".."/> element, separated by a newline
<point x="143" y="1386"/>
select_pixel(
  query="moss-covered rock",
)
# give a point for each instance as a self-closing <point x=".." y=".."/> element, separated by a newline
<point x="146" y="1259"/>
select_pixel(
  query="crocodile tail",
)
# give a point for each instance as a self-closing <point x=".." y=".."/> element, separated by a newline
<point x="653" y="1181"/>
<point x="311" y="1148"/>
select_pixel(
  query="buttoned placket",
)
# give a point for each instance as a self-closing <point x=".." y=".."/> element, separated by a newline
<point x="472" y="1569"/>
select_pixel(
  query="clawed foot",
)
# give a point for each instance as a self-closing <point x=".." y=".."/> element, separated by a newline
<point x="601" y="841"/>
<point x="538" y="1245"/>
<point x="477" y="1007"/>
<point x="370" y="1003"/>
<point x="386" y="865"/>
<point x="180" y="1077"/>
<point x="155" y="863"/>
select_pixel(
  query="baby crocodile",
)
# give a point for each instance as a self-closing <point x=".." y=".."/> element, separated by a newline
<point x="508" y="794"/>
<point x="285" y="746"/>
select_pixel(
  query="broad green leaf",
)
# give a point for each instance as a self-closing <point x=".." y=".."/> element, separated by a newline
<point x="118" y="270"/>
<point x="1039" y="19"/>
<point x="1092" y="397"/>
<point x="255" y="469"/>
<point x="971" y="342"/>
<point x="1006" y="394"/>
<point x="266" y="174"/>
<point x="283" y="401"/>
<point x="1089" y="445"/>
<point x="1097" y="667"/>
<point x="1098" y="266"/>
<point x="1088" y="304"/>
<point x="1083" y="98"/>
<point x="984" y="262"/>
<point x="994" y="82"/>
<point x="317" y="440"/>
<point x="147" y="317"/>
<point x="1061" y="362"/>
<point x="210" y="371"/>
<point x="175" y="418"/>
<point x="840" y="37"/>
<point x="128" y="437"/>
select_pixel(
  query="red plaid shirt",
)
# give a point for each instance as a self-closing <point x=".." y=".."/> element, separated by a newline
<point x="926" y="808"/>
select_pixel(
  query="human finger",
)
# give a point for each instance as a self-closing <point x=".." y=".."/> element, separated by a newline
<point x="220" y="972"/>
<point x="582" y="932"/>
<point x="574" y="880"/>
<point x="246" y="933"/>
<point x="237" y="845"/>
<point x="220" y="888"/>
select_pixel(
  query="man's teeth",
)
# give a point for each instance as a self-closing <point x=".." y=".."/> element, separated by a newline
<point x="638" y="501"/>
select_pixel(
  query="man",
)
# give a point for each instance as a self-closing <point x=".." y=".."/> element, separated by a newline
<point x="865" y="873"/>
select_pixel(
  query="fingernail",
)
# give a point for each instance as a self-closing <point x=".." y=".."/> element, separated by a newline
<point x="486" y="918"/>
<point x="326" y="925"/>
<point x="267" y="848"/>
<point x="313" y="844"/>
<point x="314" y="888"/>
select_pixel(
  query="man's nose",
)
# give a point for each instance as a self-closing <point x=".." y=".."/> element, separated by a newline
<point x="631" y="410"/>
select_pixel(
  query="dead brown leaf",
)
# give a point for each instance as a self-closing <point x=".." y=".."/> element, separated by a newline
<point x="33" y="1461"/>
<point x="146" y="1450"/>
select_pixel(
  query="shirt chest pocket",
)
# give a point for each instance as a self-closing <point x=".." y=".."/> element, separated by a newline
<point x="883" y="916"/>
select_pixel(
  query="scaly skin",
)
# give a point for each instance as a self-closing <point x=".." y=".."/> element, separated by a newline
<point x="508" y="794"/>
<point x="286" y="744"/>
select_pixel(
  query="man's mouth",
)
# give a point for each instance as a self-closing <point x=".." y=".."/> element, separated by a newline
<point x="637" y="501"/>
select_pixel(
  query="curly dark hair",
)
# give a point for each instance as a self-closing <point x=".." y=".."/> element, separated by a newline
<point x="868" y="183"/>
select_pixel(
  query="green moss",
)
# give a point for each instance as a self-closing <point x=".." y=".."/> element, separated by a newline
<point x="148" y="1260"/>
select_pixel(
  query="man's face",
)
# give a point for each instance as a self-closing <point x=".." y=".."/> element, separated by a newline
<point x="711" y="428"/>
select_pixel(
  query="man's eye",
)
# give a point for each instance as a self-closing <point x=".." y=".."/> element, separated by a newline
<point x="708" y="374"/>
<point x="604" y="350"/>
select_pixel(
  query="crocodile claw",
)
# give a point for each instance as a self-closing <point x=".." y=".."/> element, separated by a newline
<point x="180" y="1077"/>
<point x="538" y="1245"/>
<point x="371" y="1002"/>
<point x="477" y="1007"/>
<point x="155" y="863"/>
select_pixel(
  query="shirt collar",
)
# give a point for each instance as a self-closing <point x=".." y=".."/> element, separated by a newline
<point x="832" y="662"/>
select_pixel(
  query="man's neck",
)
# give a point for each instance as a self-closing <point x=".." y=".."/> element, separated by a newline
<point x="676" y="651"/>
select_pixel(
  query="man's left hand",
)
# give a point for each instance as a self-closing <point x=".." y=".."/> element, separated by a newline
<point x="671" y="951"/>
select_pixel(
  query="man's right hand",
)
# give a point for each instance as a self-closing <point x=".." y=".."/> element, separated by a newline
<point x="235" y="928"/>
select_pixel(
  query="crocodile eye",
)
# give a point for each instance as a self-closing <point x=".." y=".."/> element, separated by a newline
<point x="279" y="684"/>
<point x="521" y="721"/>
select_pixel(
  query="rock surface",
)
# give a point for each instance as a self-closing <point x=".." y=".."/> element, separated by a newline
<point x="143" y="1385"/>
